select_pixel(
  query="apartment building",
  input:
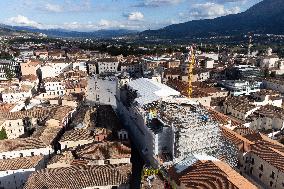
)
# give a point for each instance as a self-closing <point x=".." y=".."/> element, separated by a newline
<point x="260" y="158"/>
<point x="106" y="65"/>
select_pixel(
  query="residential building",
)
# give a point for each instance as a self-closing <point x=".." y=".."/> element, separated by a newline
<point x="30" y="67"/>
<point x="12" y="66"/>
<point x="108" y="65"/>
<point x="15" y="172"/>
<point x="238" y="88"/>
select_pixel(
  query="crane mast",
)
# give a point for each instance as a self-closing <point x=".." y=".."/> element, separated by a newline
<point x="191" y="61"/>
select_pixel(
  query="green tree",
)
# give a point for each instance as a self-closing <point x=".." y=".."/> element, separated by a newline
<point x="3" y="134"/>
<point x="9" y="73"/>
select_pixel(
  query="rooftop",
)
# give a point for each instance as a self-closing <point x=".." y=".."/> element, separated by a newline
<point x="20" y="144"/>
<point x="104" y="150"/>
<point x="209" y="173"/>
<point x="149" y="91"/>
<point x="77" y="135"/>
<point x="20" y="163"/>
<point x="81" y="177"/>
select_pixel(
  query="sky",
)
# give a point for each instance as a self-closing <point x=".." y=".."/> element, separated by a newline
<point x="91" y="15"/>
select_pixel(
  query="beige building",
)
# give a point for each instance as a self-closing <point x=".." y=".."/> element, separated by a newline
<point x="260" y="158"/>
<point x="30" y="67"/>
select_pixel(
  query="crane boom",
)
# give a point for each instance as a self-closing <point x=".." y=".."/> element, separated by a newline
<point x="191" y="61"/>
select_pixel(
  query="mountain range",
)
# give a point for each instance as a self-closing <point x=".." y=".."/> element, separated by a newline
<point x="266" y="17"/>
<point x="75" y="34"/>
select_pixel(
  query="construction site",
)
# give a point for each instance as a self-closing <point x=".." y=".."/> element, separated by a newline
<point x="183" y="128"/>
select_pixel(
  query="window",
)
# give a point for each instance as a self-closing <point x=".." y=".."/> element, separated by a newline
<point x="271" y="183"/>
<point x="260" y="175"/>
<point x="261" y="167"/>
<point x="252" y="161"/>
<point x="107" y="162"/>
<point x="21" y="154"/>
<point x="32" y="153"/>
<point x="272" y="175"/>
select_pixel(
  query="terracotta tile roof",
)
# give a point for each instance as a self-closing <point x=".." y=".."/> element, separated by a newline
<point x="20" y="163"/>
<point x="76" y="135"/>
<point x="20" y="144"/>
<point x="234" y="177"/>
<point x="65" y="157"/>
<point x="242" y="130"/>
<point x="32" y="113"/>
<point x="222" y="118"/>
<point x="240" y="103"/>
<point x="5" y="107"/>
<point x="235" y="138"/>
<point x="210" y="175"/>
<point x="75" y="84"/>
<point x="104" y="150"/>
<point x="52" y="79"/>
<point x="270" y="154"/>
<point x="76" y="177"/>
<point x="29" y="77"/>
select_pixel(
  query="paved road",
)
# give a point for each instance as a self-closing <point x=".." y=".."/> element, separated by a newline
<point x="101" y="91"/>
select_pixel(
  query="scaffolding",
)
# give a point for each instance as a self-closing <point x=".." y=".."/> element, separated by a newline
<point x="192" y="131"/>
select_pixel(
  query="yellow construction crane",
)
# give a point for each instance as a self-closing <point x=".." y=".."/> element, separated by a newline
<point x="191" y="61"/>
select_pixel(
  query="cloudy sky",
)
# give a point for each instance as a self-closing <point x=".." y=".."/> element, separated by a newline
<point x="89" y="15"/>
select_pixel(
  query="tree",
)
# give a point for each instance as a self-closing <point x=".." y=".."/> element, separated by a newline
<point x="9" y="73"/>
<point x="3" y="134"/>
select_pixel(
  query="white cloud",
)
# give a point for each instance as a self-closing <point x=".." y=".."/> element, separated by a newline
<point x="21" y="20"/>
<point x="67" y="6"/>
<point x="135" y="16"/>
<point x="211" y="10"/>
<point x="53" y="8"/>
<point x="158" y="3"/>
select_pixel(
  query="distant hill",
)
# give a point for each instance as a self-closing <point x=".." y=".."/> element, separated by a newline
<point x="266" y="17"/>
<point x="76" y="34"/>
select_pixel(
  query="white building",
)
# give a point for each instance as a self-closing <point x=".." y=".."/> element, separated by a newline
<point x="53" y="87"/>
<point x="55" y="67"/>
<point x="12" y="94"/>
<point x="23" y="147"/>
<point x="108" y="65"/>
<point x="80" y="65"/>
<point x="238" y="88"/>
<point x="267" y="118"/>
